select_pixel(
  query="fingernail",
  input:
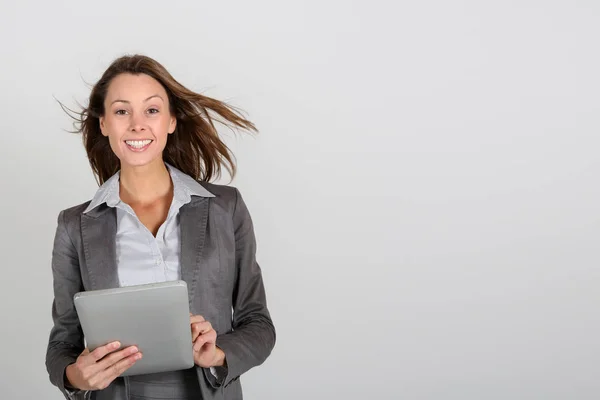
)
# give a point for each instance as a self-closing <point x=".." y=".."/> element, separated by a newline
<point x="138" y="356"/>
<point x="114" y="345"/>
<point x="134" y="349"/>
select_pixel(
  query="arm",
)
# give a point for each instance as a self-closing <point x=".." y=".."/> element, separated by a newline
<point x="253" y="336"/>
<point x="66" y="338"/>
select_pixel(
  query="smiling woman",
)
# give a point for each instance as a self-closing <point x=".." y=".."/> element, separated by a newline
<point x="137" y="126"/>
<point x="134" y="88"/>
<point x="153" y="147"/>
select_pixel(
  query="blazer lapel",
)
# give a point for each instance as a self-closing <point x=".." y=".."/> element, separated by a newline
<point x="98" y="233"/>
<point x="192" y="223"/>
<point x="99" y="230"/>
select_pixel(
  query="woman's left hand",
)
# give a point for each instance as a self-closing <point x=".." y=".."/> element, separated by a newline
<point x="204" y="337"/>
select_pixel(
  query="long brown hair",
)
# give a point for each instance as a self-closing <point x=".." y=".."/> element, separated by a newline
<point x="194" y="147"/>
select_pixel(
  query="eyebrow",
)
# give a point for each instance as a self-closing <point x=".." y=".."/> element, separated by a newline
<point x="127" y="101"/>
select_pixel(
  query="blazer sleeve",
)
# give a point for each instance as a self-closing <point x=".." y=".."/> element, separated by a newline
<point x="66" y="337"/>
<point x="253" y="335"/>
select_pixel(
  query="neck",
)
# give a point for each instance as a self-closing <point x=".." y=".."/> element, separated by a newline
<point x="145" y="184"/>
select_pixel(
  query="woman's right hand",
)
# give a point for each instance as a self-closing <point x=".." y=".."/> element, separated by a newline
<point x="96" y="370"/>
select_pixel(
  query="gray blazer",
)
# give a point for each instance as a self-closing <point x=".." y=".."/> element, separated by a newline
<point x="217" y="262"/>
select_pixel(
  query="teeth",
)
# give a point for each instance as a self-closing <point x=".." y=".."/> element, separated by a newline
<point x="138" y="143"/>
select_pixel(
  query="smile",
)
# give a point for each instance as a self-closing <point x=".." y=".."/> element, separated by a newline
<point x="138" y="145"/>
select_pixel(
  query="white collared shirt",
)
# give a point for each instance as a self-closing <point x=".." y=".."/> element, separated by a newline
<point x="141" y="257"/>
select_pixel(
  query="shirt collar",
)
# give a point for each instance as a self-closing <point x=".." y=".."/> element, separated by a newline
<point x="184" y="187"/>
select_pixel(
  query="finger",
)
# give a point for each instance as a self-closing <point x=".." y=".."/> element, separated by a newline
<point x="204" y="345"/>
<point x="196" y="318"/>
<point x="117" y="357"/>
<point x="113" y="371"/>
<point x="200" y="328"/>
<point x="209" y="337"/>
<point x="101" y="352"/>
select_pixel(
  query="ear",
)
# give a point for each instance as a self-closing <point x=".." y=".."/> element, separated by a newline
<point x="102" y="126"/>
<point x="172" y="124"/>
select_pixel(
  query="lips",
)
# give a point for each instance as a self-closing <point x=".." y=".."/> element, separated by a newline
<point x="138" y="145"/>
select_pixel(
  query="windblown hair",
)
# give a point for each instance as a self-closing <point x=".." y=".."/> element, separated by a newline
<point x="194" y="147"/>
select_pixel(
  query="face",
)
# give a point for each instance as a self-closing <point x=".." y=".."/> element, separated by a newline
<point x="137" y="119"/>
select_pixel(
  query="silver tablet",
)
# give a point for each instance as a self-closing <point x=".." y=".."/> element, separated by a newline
<point x="154" y="317"/>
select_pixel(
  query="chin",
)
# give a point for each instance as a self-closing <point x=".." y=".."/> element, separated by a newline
<point x="134" y="162"/>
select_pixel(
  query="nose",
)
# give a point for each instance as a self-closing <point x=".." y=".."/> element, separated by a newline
<point x="137" y="123"/>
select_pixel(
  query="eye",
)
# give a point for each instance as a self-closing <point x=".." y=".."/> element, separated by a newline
<point x="153" y="110"/>
<point x="120" y="112"/>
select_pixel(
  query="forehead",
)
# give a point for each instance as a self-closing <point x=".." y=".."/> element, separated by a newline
<point x="132" y="87"/>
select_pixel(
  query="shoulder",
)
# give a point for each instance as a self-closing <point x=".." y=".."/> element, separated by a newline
<point x="227" y="197"/>
<point x="75" y="211"/>
<point x="223" y="193"/>
<point x="71" y="217"/>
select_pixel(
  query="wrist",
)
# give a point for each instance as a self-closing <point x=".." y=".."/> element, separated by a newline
<point x="69" y="377"/>
<point x="219" y="358"/>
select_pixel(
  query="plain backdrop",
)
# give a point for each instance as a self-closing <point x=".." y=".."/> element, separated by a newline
<point x="424" y="186"/>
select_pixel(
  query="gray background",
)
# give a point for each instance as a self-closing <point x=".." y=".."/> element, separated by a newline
<point x="424" y="186"/>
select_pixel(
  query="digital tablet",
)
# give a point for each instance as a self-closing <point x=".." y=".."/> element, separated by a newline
<point x="154" y="317"/>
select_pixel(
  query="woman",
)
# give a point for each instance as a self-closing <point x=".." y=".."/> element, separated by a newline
<point x="153" y="148"/>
